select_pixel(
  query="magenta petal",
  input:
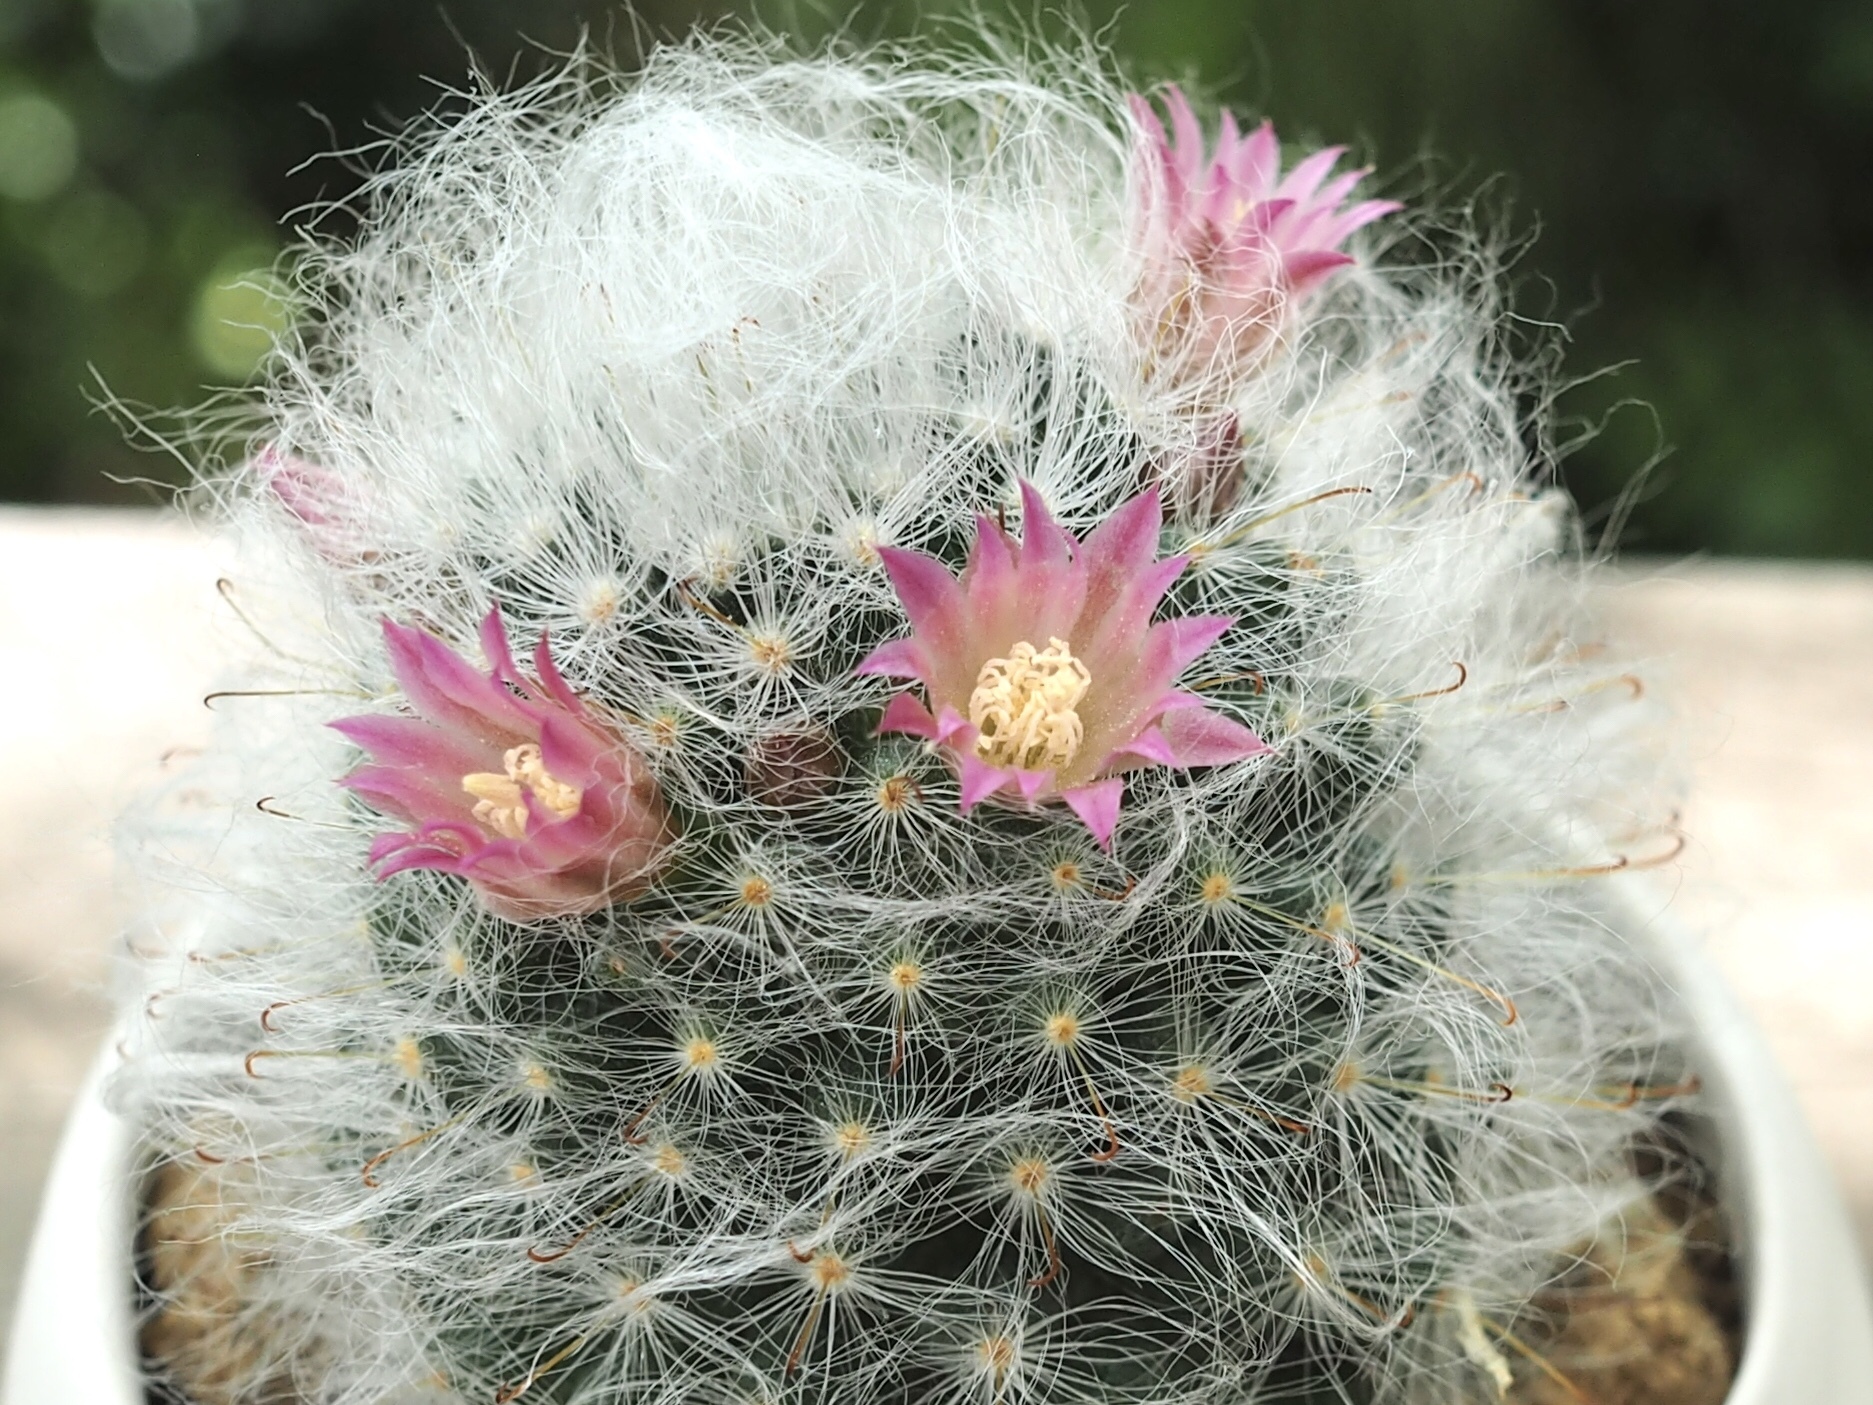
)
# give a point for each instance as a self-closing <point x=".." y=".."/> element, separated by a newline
<point x="1305" y="179"/>
<point x="398" y="849"/>
<point x="1174" y="700"/>
<point x="1031" y="783"/>
<point x="1171" y="646"/>
<point x="1127" y="541"/>
<point x="951" y="725"/>
<point x="413" y="743"/>
<point x="979" y="779"/>
<point x="1119" y="609"/>
<point x="932" y="600"/>
<point x="1044" y="542"/>
<point x="447" y="689"/>
<point x="1306" y="269"/>
<point x="1097" y="805"/>
<point x="1146" y="117"/>
<point x="1334" y="191"/>
<point x="1187" y="134"/>
<point x="901" y="658"/>
<point x="1260" y="161"/>
<point x="1200" y="737"/>
<point x="905" y="714"/>
<point x="1361" y="215"/>
<point x="569" y="750"/>
<point x="1305" y="264"/>
<point x="407" y="793"/>
<point x="1149" y="746"/>
<point x="551" y="679"/>
<point x="494" y="645"/>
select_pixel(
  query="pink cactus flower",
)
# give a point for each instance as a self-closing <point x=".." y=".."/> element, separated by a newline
<point x="1230" y="244"/>
<point x="512" y="783"/>
<point x="1044" y="674"/>
<point x="326" y="508"/>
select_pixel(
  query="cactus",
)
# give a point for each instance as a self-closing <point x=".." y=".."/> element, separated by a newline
<point x="904" y="741"/>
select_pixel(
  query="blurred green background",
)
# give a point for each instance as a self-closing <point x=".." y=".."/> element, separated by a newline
<point x="1696" y="169"/>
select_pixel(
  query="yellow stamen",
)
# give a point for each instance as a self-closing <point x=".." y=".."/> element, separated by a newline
<point x="501" y="801"/>
<point x="1023" y="707"/>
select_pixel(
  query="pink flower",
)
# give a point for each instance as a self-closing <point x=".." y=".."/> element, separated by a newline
<point x="514" y="784"/>
<point x="1229" y="243"/>
<point x="328" y="510"/>
<point x="1044" y="673"/>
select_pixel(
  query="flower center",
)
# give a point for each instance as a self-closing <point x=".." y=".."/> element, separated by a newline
<point x="1023" y="707"/>
<point x="501" y="801"/>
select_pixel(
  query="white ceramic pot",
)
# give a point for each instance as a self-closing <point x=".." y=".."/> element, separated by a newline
<point x="73" y="1342"/>
<point x="1808" y="1316"/>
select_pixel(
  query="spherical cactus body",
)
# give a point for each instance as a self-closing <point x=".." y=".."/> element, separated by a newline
<point x="914" y="742"/>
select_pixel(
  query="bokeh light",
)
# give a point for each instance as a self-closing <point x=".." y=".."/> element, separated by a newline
<point x="38" y="147"/>
<point x="240" y="309"/>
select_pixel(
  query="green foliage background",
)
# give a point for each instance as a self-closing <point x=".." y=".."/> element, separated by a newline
<point x="1695" y="168"/>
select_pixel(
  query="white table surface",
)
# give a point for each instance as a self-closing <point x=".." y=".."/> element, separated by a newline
<point x="108" y="630"/>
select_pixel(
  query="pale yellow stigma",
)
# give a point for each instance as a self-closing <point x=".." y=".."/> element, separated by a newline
<point x="501" y="801"/>
<point x="1029" y="1175"/>
<point x="997" y="1355"/>
<point x="895" y="795"/>
<point x="1216" y="889"/>
<point x="1061" y="1029"/>
<point x="409" y="1058"/>
<point x="1024" y="707"/>
<point x="905" y="977"/>
<point x="851" y="1139"/>
<point x="772" y="653"/>
<point x="667" y="1161"/>
<point x="700" y="1055"/>
<point x="1191" y="1083"/>
<point x="829" y="1272"/>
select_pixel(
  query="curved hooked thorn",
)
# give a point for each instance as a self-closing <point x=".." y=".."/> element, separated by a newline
<point x="1053" y="1252"/>
<point x="266" y="807"/>
<point x="1463" y="676"/>
<point x="1256" y="679"/>
<point x="898" y="1049"/>
<point x="1659" y="860"/>
<point x="1239" y="533"/>
<point x="1053" y="1268"/>
<point x="208" y="699"/>
<point x="697" y="602"/>
<point x="557" y="1254"/>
